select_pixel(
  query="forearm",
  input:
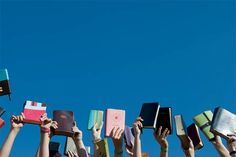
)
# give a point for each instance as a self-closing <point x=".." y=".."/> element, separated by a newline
<point x="220" y="148"/>
<point x="7" y="145"/>
<point x="164" y="152"/>
<point x="37" y="153"/>
<point x="137" y="147"/>
<point x="81" y="148"/>
<point x="44" y="145"/>
<point x="118" y="152"/>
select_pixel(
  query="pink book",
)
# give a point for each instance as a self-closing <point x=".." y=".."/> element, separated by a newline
<point x="1" y="123"/>
<point x="33" y="112"/>
<point x="114" y="118"/>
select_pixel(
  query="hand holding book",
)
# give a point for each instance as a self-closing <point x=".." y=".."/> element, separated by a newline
<point x="117" y="138"/>
<point x="232" y="144"/>
<point x="96" y="132"/>
<point x="137" y="126"/>
<point x="161" y="137"/>
<point x="17" y="122"/>
<point x="189" y="152"/>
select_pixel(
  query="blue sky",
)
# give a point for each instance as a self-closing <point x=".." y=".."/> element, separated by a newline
<point x="82" y="55"/>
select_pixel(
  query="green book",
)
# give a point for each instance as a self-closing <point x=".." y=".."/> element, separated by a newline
<point x="103" y="147"/>
<point x="203" y="121"/>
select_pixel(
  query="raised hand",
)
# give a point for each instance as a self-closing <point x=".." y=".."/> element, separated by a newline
<point x="189" y="152"/>
<point x="232" y="144"/>
<point x="72" y="154"/>
<point x="161" y="137"/>
<point x="17" y="122"/>
<point x="96" y="132"/>
<point x="137" y="126"/>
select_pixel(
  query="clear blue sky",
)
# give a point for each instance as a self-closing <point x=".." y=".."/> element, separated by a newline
<point x="82" y="55"/>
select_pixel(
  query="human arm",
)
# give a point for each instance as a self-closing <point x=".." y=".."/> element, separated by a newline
<point x="219" y="146"/>
<point x="137" y="125"/>
<point x="117" y="139"/>
<point x="161" y="138"/>
<point x="232" y="145"/>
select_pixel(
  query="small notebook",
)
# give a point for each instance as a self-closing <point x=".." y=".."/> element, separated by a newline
<point x="70" y="146"/>
<point x="33" y="111"/>
<point x="128" y="137"/>
<point x="164" y="119"/>
<point x="95" y="116"/>
<point x="65" y="121"/>
<point x="4" y="83"/>
<point x="103" y="147"/>
<point x="223" y="123"/>
<point x="1" y="122"/>
<point x="181" y="131"/>
<point x="194" y="135"/>
<point x="203" y="121"/>
<point x="54" y="148"/>
<point x="114" y="118"/>
<point x="2" y="111"/>
<point x="149" y="113"/>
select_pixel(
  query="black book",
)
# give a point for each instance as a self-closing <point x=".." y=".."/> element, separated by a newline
<point x="53" y="148"/>
<point x="149" y="113"/>
<point x="164" y="119"/>
<point x="2" y="110"/>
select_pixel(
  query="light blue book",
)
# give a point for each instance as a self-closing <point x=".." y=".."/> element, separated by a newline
<point x="4" y="74"/>
<point x="95" y="116"/>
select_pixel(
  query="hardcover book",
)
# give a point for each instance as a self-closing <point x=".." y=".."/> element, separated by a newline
<point x="70" y="146"/>
<point x="4" y="83"/>
<point x="164" y="119"/>
<point x="65" y="121"/>
<point x="95" y="116"/>
<point x="223" y="123"/>
<point x="1" y="122"/>
<point x="128" y="137"/>
<point x="114" y="118"/>
<point x="33" y="112"/>
<point x="203" y="121"/>
<point x="149" y="113"/>
<point x="194" y="135"/>
<point x="53" y="148"/>
<point x="181" y="131"/>
<point x="2" y="111"/>
<point x="103" y="148"/>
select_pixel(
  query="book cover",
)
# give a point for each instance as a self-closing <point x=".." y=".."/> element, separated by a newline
<point x="203" y="121"/>
<point x="114" y="118"/>
<point x="149" y="113"/>
<point x="103" y="147"/>
<point x="145" y="154"/>
<point x="194" y="135"/>
<point x="54" y="148"/>
<point x="33" y="111"/>
<point x="223" y="123"/>
<point x="70" y="146"/>
<point x="95" y="116"/>
<point x="65" y="121"/>
<point x="164" y="119"/>
<point x="4" y="75"/>
<point x="1" y="122"/>
<point x="181" y="131"/>
<point x="4" y="83"/>
<point x="128" y="137"/>
<point x="2" y="111"/>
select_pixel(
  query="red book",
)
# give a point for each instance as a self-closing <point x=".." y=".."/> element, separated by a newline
<point x="114" y="118"/>
<point x="33" y="112"/>
<point x="1" y="122"/>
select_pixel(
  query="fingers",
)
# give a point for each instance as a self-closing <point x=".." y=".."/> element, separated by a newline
<point x="117" y="133"/>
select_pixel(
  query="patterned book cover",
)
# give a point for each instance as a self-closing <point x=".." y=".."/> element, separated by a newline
<point x="114" y="118"/>
<point x="95" y="116"/>
<point x="203" y="121"/>
<point x="33" y="111"/>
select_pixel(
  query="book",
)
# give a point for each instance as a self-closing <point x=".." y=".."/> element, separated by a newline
<point x="54" y="148"/>
<point x="114" y="118"/>
<point x="181" y="131"/>
<point x="145" y="154"/>
<point x="95" y="116"/>
<point x="223" y="123"/>
<point x="2" y="111"/>
<point x="128" y="137"/>
<point x="164" y="119"/>
<point x="194" y="135"/>
<point x="103" y="147"/>
<point x="149" y="113"/>
<point x="70" y="146"/>
<point x="203" y="121"/>
<point x="33" y="111"/>
<point x="65" y="121"/>
<point x="4" y="83"/>
<point x="1" y="122"/>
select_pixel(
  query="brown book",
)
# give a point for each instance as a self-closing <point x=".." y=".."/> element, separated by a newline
<point x="65" y="120"/>
<point x="194" y="135"/>
<point x="164" y="119"/>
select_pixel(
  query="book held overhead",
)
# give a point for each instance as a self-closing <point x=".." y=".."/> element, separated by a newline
<point x="95" y="116"/>
<point x="4" y="83"/>
<point x="164" y="119"/>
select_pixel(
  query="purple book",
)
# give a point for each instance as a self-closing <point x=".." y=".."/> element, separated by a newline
<point x="129" y="137"/>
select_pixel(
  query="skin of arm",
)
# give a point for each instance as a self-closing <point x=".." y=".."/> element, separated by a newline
<point x="45" y="134"/>
<point x="232" y="144"/>
<point x="77" y="137"/>
<point x="16" y="125"/>
<point x="137" y="141"/>
<point x="189" y="152"/>
<point x="117" y="139"/>
<point x="219" y="146"/>
<point x="96" y="137"/>
<point x="161" y="138"/>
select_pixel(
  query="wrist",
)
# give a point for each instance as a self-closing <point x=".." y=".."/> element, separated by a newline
<point x="164" y="149"/>
<point x="15" y="130"/>
<point x="118" y="151"/>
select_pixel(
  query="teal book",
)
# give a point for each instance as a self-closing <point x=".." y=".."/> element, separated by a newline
<point x="95" y="116"/>
<point x="4" y="75"/>
<point x="4" y="83"/>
